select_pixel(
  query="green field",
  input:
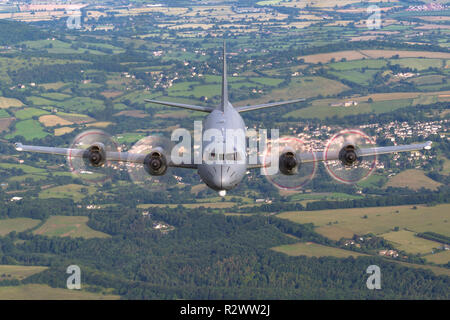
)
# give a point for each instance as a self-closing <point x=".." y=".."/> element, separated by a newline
<point x="80" y="104"/>
<point x="8" y="272"/>
<point x="29" y="129"/>
<point x="73" y="191"/>
<point x="379" y="220"/>
<point x="4" y="114"/>
<point x="29" y="113"/>
<point x="358" y="64"/>
<point x="17" y="224"/>
<point x="355" y="76"/>
<point x="324" y="196"/>
<point x="321" y="109"/>
<point x="55" y="96"/>
<point x="68" y="226"/>
<point x="45" y="292"/>
<point x="441" y="257"/>
<point x="24" y="167"/>
<point x="406" y="241"/>
<point x="414" y="179"/>
<point x="311" y="249"/>
<point x="417" y="63"/>
<point x="303" y="87"/>
<point x="39" y="101"/>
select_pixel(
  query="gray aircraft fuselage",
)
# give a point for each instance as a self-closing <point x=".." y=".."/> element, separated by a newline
<point x="224" y="175"/>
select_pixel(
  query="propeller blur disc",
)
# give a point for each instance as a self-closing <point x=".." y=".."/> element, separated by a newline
<point x="137" y="172"/>
<point x="80" y="167"/>
<point x="305" y="171"/>
<point x="361" y="169"/>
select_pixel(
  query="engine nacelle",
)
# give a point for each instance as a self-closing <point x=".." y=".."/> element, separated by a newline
<point x="288" y="163"/>
<point x="348" y="155"/>
<point x="155" y="163"/>
<point x="95" y="155"/>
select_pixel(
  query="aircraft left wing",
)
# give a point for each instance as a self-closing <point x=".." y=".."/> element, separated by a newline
<point x="266" y="105"/>
<point x="110" y="155"/>
<point x="320" y="155"/>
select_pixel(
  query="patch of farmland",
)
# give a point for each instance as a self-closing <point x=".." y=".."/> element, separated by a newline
<point x="413" y="179"/>
<point x="8" y="272"/>
<point x="377" y="220"/>
<point x="56" y="96"/>
<point x="406" y="241"/>
<point x="63" y="131"/>
<point x="4" y="114"/>
<point x="52" y="120"/>
<point x="441" y="257"/>
<point x="16" y="224"/>
<point x="425" y="80"/>
<point x="355" y="76"/>
<point x="39" y="101"/>
<point x="305" y="87"/>
<point x="358" y="64"/>
<point x="9" y="102"/>
<point x="28" y="113"/>
<point x="75" y="117"/>
<point x="311" y="249"/>
<point x="333" y="56"/>
<point x="5" y="123"/>
<point x="29" y="129"/>
<point x="101" y="124"/>
<point x="80" y="104"/>
<point x="417" y="63"/>
<point x="53" y="85"/>
<point x="45" y="292"/>
<point x="132" y="113"/>
<point x="374" y="54"/>
<point x="68" y="226"/>
<point x="72" y="191"/>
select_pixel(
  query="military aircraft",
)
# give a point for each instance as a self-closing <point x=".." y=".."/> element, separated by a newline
<point x="223" y="175"/>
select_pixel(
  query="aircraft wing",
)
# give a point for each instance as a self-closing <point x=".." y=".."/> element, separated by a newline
<point x="110" y="155"/>
<point x="320" y="155"/>
<point x="181" y="105"/>
<point x="266" y="105"/>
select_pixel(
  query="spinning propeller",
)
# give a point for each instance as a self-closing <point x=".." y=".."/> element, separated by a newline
<point x="92" y="166"/>
<point x="152" y="172"/>
<point x="292" y="174"/>
<point x="351" y="167"/>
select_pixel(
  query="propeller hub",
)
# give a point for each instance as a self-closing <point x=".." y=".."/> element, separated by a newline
<point x="348" y="155"/>
<point x="155" y="163"/>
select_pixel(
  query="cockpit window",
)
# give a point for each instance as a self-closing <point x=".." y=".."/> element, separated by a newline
<point x="235" y="156"/>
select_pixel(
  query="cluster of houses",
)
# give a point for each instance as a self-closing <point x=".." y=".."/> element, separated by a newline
<point x="345" y="104"/>
<point x="428" y="7"/>
<point x="388" y="253"/>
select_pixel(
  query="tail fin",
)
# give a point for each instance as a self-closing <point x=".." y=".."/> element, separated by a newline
<point x="224" y="79"/>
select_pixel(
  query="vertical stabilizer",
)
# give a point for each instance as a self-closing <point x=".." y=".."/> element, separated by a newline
<point x="224" y="79"/>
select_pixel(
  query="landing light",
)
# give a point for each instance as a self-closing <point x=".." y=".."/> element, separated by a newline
<point x="222" y="193"/>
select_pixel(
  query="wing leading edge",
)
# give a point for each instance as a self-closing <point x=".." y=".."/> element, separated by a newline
<point x="321" y="156"/>
<point x="110" y="155"/>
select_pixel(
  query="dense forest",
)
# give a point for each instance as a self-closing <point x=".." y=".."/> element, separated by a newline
<point x="210" y="257"/>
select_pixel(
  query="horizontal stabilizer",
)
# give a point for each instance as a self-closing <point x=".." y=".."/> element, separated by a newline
<point x="182" y="105"/>
<point x="267" y="105"/>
